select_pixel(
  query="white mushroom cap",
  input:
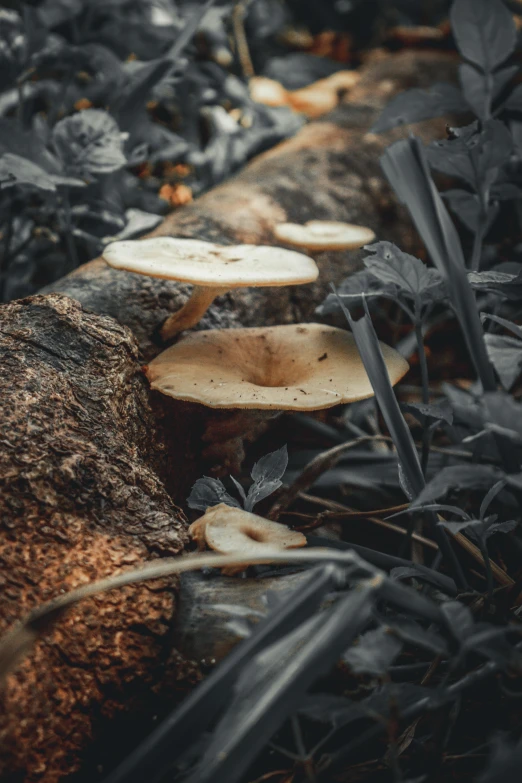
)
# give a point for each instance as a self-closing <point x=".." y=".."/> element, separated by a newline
<point x="208" y="264"/>
<point x="293" y="367"/>
<point x="319" y="235"/>
<point x="229" y="530"/>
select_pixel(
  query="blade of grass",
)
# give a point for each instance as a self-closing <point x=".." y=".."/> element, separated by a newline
<point x="271" y="690"/>
<point x="375" y="366"/>
<point x="163" y="745"/>
<point x="407" y="170"/>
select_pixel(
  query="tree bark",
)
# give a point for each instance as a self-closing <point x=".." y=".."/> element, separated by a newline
<point x="84" y="461"/>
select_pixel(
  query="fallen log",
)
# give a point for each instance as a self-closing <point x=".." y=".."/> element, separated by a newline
<point x="83" y="455"/>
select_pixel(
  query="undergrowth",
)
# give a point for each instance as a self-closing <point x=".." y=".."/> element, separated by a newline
<point x="400" y="662"/>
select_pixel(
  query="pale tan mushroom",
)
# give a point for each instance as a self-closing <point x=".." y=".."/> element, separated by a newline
<point x="212" y="269"/>
<point x="232" y="530"/>
<point x="257" y="373"/>
<point x="297" y="367"/>
<point x="320" y="235"/>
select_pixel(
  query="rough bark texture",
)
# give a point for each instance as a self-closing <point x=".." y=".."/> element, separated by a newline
<point x="82" y="453"/>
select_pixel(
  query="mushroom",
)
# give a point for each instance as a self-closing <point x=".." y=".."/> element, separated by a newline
<point x="232" y="530"/>
<point x="263" y="371"/>
<point x="212" y="269"/>
<point x="319" y="235"/>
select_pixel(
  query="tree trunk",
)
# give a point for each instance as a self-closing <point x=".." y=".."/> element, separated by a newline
<point x="83" y="456"/>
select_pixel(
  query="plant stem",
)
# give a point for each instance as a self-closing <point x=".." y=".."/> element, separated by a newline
<point x="477" y="246"/>
<point x="68" y="228"/>
<point x="423" y="364"/>
<point x="489" y="574"/>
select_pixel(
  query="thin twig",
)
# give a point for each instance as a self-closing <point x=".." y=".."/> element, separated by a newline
<point x="243" y="51"/>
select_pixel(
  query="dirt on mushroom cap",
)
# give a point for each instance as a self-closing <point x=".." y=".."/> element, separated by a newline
<point x="293" y="367"/>
<point x="208" y="264"/>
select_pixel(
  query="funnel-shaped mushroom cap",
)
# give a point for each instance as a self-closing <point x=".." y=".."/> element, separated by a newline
<point x="318" y="235"/>
<point x="227" y="530"/>
<point x="302" y="367"/>
<point x="207" y="264"/>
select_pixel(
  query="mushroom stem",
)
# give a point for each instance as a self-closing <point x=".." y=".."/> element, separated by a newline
<point x="191" y="312"/>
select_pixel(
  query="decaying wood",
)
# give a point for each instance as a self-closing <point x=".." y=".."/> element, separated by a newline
<point x="82" y="454"/>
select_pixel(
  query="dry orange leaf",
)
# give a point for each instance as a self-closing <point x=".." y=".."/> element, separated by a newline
<point x="176" y="195"/>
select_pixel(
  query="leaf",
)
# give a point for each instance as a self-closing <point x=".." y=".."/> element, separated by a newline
<point x="504" y="411"/>
<point x="405" y="165"/>
<point x="504" y="765"/>
<point x="429" y="412"/>
<point x="240" y="489"/>
<point x="133" y="97"/>
<point x="474" y="87"/>
<point x="383" y="702"/>
<point x="267" y="474"/>
<point x="502" y="77"/>
<point x="89" y="143"/>
<point x="491" y="642"/>
<point x="514" y="102"/>
<point x="391" y="265"/>
<point x="458" y="527"/>
<point x="273" y="685"/>
<point x="416" y="105"/>
<point x="515" y="328"/>
<point x="459" y="619"/>
<point x="208" y="492"/>
<point x="412" y="633"/>
<point x="272" y="466"/>
<point x="490" y="496"/>
<point x="465" y="205"/>
<point x="506" y="356"/>
<point x="501" y="527"/>
<point x="484" y="31"/>
<point x="374" y="652"/>
<point x="457" y="477"/>
<point x="352" y="290"/>
<point x="15" y="170"/>
<point x="507" y="285"/>
<point x="373" y="361"/>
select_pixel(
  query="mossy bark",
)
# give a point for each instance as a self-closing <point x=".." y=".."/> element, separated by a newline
<point x="82" y="454"/>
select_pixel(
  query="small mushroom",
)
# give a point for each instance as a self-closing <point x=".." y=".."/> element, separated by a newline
<point x="320" y="235"/>
<point x="212" y="269"/>
<point x="261" y="372"/>
<point x="231" y="530"/>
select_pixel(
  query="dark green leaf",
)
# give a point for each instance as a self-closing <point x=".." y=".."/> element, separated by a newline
<point x="428" y="412"/>
<point x="392" y="266"/>
<point x="267" y="475"/>
<point x="416" y="105"/>
<point x="89" y="143"/>
<point x="465" y="205"/>
<point x="15" y="170"/>
<point x="352" y="290"/>
<point x="484" y="30"/>
<point x="272" y="687"/>
<point x="208" y="492"/>
<point x="374" y="652"/>
<point x="460" y="477"/>
<point x="505" y="764"/>
<point x="458" y="618"/>
<point x="506" y="356"/>
<point x="405" y="166"/>
<point x="474" y="87"/>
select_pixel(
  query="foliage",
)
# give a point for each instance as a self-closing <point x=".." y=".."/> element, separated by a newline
<point x="266" y="478"/>
<point x="356" y="657"/>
